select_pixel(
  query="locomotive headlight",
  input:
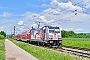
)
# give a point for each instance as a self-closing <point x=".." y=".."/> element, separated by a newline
<point x="50" y="35"/>
<point x="51" y="41"/>
<point x="60" y="41"/>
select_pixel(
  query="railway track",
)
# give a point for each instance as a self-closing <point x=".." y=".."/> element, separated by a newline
<point x="83" y="52"/>
<point x="76" y="51"/>
<point x="73" y="50"/>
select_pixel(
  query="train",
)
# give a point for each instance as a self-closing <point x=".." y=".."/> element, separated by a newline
<point x="47" y="35"/>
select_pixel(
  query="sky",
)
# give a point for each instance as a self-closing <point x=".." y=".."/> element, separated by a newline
<point x="69" y="15"/>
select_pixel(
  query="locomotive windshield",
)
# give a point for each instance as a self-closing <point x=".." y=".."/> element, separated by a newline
<point x="54" y="30"/>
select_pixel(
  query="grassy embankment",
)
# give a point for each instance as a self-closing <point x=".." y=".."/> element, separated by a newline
<point x="42" y="54"/>
<point x="2" y="48"/>
<point x="77" y="42"/>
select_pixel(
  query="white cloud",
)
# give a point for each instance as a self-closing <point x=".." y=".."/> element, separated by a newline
<point x="61" y="13"/>
<point x="34" y="25"/>
<point x="20" y="28"/>
<point x="87" y="3"/>
<point x="2" y="28"/>
<point x="20" y="23"/>
<point x="65" y="6"/>
<point x="69" y="29"/>
<point x="43" y="18"/>
<point x="79" y="29"/>
<point x="5" y="14"/>
<point x="58" y="13"/>
<point x="74" y="29"/>
<point x="44" y="5"/>
<point x="51" y="21"/>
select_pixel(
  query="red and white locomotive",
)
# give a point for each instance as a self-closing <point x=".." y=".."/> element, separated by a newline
<point x="46" y="35"/>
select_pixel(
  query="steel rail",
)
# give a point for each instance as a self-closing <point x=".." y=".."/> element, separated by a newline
<point x="75" y="50"/>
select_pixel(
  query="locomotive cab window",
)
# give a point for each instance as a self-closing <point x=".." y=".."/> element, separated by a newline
<point x="51" y="31"/>
<point x="54" y="30"/>
<point x="57" y="31"/>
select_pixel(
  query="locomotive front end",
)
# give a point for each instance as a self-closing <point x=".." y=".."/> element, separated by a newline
<point x="53" y="36"/>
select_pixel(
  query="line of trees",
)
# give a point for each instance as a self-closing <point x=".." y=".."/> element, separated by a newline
<point x="65" y="34"/>
<point x="71" y="34"/>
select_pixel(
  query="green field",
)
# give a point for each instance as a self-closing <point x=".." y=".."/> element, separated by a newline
<point x="77" y="42"/>
<point x="42" y="53"/>
<point x="2" y="49"/>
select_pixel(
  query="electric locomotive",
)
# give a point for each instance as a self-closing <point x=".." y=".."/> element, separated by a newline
<point x="47" y="35"/>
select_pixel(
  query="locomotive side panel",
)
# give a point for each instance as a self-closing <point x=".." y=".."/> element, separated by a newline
<point x="28" y="37"/>
<point x="35" y="35"/>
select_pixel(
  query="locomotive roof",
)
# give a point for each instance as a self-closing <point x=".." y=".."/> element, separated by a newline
<point x="51" y="27"/>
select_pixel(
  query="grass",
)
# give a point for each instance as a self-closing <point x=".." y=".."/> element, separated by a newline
<point x="42" y="54"/>
<point x="2" y="49"/>
<point x="77" y="42"/>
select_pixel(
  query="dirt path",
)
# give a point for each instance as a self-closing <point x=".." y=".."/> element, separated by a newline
<point x="13" y="52"/>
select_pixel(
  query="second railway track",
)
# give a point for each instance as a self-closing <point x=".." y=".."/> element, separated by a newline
<point x="83" y="52"/>
<point x="76" y="51"/>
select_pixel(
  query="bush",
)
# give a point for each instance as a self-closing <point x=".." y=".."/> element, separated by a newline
<point x="3" y="33"/>
<point x="2" y="37"/>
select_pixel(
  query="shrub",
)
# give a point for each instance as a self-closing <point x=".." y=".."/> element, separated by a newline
<point x="2" y="37"/>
